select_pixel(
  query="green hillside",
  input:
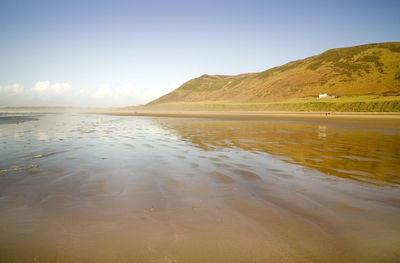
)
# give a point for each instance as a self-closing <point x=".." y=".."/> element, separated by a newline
<point x="365" y="78"/>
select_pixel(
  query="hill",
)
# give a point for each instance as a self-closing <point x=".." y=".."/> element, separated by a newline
<point x="359" y="75"/>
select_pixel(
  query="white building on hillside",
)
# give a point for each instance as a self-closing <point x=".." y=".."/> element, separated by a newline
<point x="326" y="96"/>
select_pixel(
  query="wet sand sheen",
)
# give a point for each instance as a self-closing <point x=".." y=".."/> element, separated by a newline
<point x="185" y="190"/>
<point x="351" y="119"/>
<point x="220" y="177"/>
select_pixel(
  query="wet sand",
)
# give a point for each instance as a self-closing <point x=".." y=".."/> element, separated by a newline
<point x="101" y="188"/>
<point x="16" y="119"/>
<point x="369" y="120"/>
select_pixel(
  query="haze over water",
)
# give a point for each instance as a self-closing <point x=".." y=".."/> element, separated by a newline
<point x="97" y="188"/>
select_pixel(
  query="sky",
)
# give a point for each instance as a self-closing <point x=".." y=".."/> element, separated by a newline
<point x="124" y="53"/>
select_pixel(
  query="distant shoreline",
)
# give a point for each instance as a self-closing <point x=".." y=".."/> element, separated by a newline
<point x="370" y="120"/>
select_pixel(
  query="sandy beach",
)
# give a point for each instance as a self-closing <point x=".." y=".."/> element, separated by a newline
<point x="207" y="187"/>
<point x="371" y="120"/>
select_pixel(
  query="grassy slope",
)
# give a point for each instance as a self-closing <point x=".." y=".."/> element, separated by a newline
<point x="366" y="77"/>
<point x="344" y="104"/>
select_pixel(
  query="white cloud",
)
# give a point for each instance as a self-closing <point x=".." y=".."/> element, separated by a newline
<point x="13" y="89"/>
<point x="44" y="93"/>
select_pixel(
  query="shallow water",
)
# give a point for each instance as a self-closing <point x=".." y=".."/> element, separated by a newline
<point x="96" y="188"/>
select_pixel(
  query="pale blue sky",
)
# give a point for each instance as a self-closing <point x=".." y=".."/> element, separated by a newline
<point x="151" y="47"/>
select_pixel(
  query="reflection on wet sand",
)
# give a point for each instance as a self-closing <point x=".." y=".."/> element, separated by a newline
<point x="138" y="189"/>
<point x="364" y="155"/>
